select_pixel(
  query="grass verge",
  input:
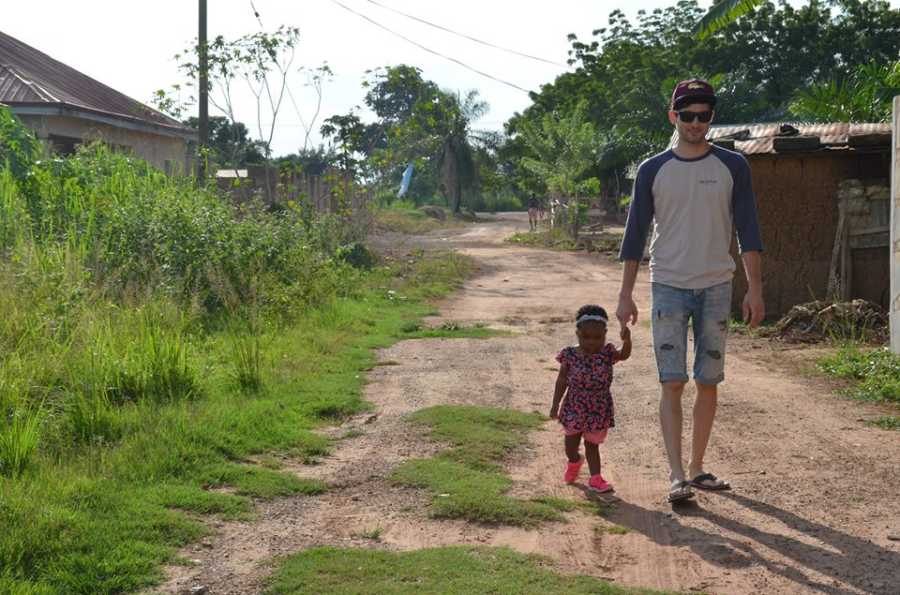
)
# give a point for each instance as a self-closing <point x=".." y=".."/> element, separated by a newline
<point x="441" y="570"/>
<point x="886" y="422"/>
<point x="103" y="515"/>
<point x="466" y="479"/>
<point x="875" y="372"/>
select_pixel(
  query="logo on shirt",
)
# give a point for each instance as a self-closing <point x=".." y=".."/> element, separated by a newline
<point x="708" y="181"/>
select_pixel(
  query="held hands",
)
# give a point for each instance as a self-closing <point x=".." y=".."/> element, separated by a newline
<point x="627" y="311"/>
<point x="625" y="334"/>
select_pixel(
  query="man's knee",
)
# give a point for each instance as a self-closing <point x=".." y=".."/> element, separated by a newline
<point x="673" y="387"/>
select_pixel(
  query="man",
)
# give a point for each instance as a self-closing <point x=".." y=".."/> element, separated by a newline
<point x="691" y="195"/>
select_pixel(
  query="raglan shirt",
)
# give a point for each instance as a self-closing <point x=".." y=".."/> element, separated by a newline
<point x="692" y="206"/>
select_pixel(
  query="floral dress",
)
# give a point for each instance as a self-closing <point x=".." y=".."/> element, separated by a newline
<point x="588" y="406"/>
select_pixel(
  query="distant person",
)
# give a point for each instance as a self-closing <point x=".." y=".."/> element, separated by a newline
<point x="691" y="197"/>
<point x="585" y="376"/>
<point x="534" y="206"/>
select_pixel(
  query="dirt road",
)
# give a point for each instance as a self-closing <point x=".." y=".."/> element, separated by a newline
<point x="817" y="492"/>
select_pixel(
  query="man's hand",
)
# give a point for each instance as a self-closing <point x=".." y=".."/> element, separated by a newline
<point x="627" y="311"/>
<point x="754" y="308"/>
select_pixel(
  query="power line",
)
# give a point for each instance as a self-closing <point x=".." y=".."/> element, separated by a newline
<point x="429" y="50"/>
<point x="469" y="37"/>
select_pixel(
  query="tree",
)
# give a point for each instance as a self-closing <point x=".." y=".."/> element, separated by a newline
<point x="230" y="143"/>
<point x="565" y="148"/>
<point x="866" y="95"/>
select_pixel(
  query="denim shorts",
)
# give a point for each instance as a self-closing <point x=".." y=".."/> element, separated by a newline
<point x="708" y="311"/>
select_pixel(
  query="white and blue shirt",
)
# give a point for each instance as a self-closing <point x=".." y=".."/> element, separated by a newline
<point x="692" y="205"/>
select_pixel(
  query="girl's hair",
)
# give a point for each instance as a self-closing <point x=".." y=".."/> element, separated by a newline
<point x="593" y="311"/>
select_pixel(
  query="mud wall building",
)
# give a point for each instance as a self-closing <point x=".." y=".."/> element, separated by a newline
<point x="804" y="176"/>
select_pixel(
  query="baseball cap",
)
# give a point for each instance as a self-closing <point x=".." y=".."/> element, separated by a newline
<point x="691" y="91"/>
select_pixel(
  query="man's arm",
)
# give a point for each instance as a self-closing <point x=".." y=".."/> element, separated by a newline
<point x="746" y="222"/>
<point x="754" y="308"/>
<point x="640" y="216"/>
<point x="627" y="310"/>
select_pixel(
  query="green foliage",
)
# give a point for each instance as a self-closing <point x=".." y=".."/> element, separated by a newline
<point x="626" y="73"/>
<point x="465" y="479"/>
<point x="332" y="571"/>
<point x="876" y="371"/>
<point x="722" y="14"/>
<point x="865" y="95"/>
<point x="19" y="149"/>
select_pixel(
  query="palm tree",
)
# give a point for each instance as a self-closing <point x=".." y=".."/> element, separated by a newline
<point x="455" y="159"/>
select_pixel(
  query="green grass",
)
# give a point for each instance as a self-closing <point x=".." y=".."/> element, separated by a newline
<point x="405" y="219"/>
<point x="450" y="570"/>
<point x="887" y="422"/>
<point x="102" y="515"/>
<point x="451" y="330"/>
<point x="552" y="239"/>
<point x="875" y="372"/>
<point x="466" y="480"/>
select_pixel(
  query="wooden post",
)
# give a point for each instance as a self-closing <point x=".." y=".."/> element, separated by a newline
<point x="895" y="231"/>
<point x="203" y="84"/>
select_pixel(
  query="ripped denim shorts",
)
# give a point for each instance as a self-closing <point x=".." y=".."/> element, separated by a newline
<point x="708" y="311"/>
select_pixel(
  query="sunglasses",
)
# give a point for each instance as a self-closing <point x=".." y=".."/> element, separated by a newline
<point x="688" y="117"/>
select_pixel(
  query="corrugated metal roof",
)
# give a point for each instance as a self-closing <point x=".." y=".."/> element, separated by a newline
<point x="29" y="76"/>
<point x="754" y="139"/>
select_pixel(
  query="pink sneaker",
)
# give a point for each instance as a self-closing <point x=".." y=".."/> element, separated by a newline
<point x="600" y="485"/>
<point x="572" y="470"/>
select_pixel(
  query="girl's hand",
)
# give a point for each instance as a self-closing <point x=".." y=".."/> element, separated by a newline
<point x="554" y="412"/>
<point x="626" y="333"/>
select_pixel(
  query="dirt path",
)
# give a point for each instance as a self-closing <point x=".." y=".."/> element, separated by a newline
<point x="817" y="492"/>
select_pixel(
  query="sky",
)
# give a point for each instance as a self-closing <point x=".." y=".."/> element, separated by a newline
<point x="130" y="45"/>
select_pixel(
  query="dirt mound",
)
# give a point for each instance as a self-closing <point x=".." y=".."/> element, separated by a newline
<point x="817" y="321"/>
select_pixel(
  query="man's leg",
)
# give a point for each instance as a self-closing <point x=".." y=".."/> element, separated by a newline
<point x="710" y="333"/>
<point x="704" y="414"/>
<point x="671" y="420"/>
<point x="670" y="313"/>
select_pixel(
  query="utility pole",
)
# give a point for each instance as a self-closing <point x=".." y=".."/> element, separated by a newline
<point x="894" y="303"/>
<point x="204" y="94"/>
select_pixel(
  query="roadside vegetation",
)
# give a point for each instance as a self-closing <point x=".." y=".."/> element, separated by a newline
<point x="154" y="338"/>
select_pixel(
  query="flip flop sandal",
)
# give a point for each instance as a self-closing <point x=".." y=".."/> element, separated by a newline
<point x="717" y="485"/>
<point x="680" y="492"/>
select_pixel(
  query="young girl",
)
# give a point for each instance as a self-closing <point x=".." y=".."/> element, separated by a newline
<point x="585" y="375"/>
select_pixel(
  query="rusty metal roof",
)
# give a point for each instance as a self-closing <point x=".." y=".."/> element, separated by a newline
<point x="30" y="77"/>
<point x="755" y="139"/>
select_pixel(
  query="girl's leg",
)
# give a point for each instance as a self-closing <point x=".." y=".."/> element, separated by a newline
<point x="572" y="444"/>
<point x="592" y="454"/>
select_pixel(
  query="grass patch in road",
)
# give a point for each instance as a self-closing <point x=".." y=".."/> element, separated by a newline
<point x="405" y="218"/>
<point x="876" y="372"/>
<point x="467" y="480"/>
<point x="332" y="571"/>
<point x="886" y="422"/>
<point x="552" y="239"/>
<point x="451" y="330"/>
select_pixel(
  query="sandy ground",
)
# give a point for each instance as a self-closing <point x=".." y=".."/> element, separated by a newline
<point x="817" y="492"/>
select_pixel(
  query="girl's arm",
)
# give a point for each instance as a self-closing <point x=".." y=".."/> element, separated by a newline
<point x="625" y="353"/>
<point x="562" y="383"/>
